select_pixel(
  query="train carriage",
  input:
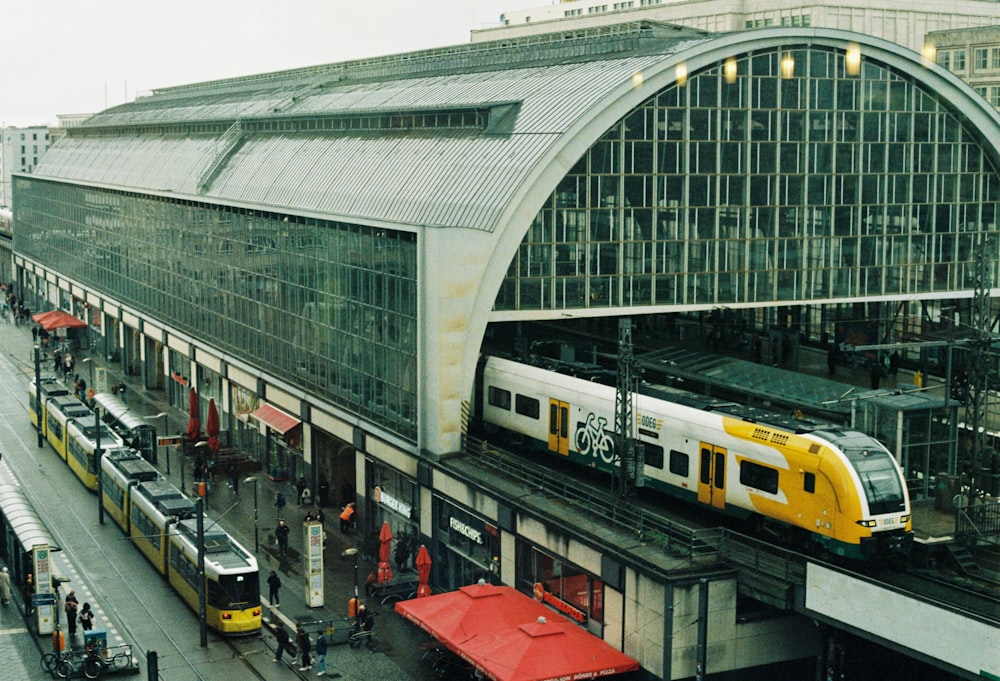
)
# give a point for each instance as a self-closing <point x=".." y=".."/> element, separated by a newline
<point x="832" y="486"/>
<point x="59" y="413"/>
<point x="136" y="432"/>
<point x="83" y="439"/>
<point x="50" y="387"/>
<point x="231" y="577"/>
<point x="121" y="470"/>
<point x="154" y="508"/>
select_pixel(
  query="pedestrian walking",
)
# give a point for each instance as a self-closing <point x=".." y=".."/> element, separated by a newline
<point x="71" y="611"/>
<point x="281" y="533"/>
<point x="279" y="501"/>
<point x="283" y="639"/>
<point x="324" y="494"/>
<point x="87" y="617"/>
<point x="300" y="485"/>
<point x="234" y="476"/>
<point x="347" y="518"/>
<point x="4" y="586"/>
<point x="273" y="584"/>
<point x="321" y="644"/>
<point x="27" y="591"/>
<point x="304" y="646"/>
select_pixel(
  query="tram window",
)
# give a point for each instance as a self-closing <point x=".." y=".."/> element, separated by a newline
<point x="652" y="455"/>
<point x="809" y="482"/>
<point x="526" y="406"/>
<point x="680" y="463"/>
<point x="499" y="398"/>
<point x="759" y="477"/>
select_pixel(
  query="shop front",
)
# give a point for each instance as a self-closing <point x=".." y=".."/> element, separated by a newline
<point x="394" y="499"/>
<point x="562" y="586"/>
<point x="281" y="437"/>
<point x="468" y="547"/>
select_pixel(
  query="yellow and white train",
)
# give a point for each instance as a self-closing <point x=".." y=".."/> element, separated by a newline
<point x="160" y="520"/>
<point x="829" y="485"/>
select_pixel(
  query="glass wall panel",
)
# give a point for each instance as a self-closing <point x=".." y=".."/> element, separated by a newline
<point x="828" y="184"/>
<point x="327" y="306"/>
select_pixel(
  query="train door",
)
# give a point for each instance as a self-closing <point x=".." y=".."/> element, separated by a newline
<point x="559" y="427"/>
<point x="712" y="476"/>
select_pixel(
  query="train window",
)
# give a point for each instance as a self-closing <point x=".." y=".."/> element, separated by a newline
<point x="706" y="466"/>
<point x="679" y="463"/>
<point x="759" y="477"/>
<point x="652" y="455"/>
<point x="499" y="398"/>
<point x="809" y="482"/>
<point x="526" y="406"/>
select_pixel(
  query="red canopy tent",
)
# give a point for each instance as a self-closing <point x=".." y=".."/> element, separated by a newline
<point x="57" y="319"/>
<point x="497" y="629"/>
<point x="384" y="550"/>
<point x="454" y="617"/>
<point x="544" y="650"/>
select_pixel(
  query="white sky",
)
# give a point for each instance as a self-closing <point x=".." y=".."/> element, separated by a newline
<point x="70" y="57"/>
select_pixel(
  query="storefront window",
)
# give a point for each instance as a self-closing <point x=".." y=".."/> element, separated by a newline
<point x="561" y="585"/>
<point x="394" y="499"/>
<point x="472" y="546"/>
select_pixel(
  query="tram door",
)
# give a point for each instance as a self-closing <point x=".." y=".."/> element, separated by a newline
<point x="712" y="476"/>
<point x="559" y="427"/>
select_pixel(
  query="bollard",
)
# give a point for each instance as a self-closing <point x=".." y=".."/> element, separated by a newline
<point x="152" y="666"/>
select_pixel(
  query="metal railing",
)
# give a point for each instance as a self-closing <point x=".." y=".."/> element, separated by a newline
<point x="622" y="513"/>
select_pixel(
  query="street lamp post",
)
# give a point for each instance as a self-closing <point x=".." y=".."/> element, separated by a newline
<point x="256" y="541"/>
<point x="353" y="552"/>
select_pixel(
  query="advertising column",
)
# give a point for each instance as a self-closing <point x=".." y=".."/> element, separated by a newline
<point x="313" y="543"/>
<point x="44" y="599"/>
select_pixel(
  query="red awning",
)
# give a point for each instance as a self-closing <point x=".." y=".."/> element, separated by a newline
<point x="276" y="419"/>
<point x="497" y="629"/>
<point x="57" y="319"/>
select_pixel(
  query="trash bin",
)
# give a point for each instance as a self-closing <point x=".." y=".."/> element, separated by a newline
<point x="198" y="489"/>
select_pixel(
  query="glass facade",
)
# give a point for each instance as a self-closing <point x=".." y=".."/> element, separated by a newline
<point x="778" y="176"/>
<point x="326" y="305"/>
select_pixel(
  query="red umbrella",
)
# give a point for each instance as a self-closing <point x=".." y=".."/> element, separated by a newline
<point x="194" y="424"/>
<point x="384" y="549"/>
<point x="423" y="563"/>
<point x="212" y="426"/>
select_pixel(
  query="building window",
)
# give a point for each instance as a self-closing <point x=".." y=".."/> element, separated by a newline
<point x="995" y="96"/>
<point x="562" y="584"/>
<point x="958" y="60"/>
<point x="982" y="57"/>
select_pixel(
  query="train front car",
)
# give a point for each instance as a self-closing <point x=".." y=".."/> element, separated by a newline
<point x="872" y="493"/>
<point x="231" y="578"/>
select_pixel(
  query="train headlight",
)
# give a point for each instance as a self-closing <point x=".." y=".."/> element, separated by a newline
<point x="227" y="615"/>
<point x="904" y="518"/>
<point x="868" y="523"/>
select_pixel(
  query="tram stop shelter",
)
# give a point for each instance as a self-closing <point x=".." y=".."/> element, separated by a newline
<point x="509" y="636"/>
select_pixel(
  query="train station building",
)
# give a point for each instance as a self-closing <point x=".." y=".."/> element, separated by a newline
<point x="326" y="251"/>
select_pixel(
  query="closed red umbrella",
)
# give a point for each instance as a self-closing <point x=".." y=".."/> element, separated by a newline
<point x="384" y="551"/>
<point x="194" y="423"/>
<point x="423" y="563"/>
<point x="212" y="426"/>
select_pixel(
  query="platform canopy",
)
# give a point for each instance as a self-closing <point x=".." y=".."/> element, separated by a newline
<point x="509" y="636"/>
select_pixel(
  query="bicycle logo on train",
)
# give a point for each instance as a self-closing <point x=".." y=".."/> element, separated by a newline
<point x="593" y="440"/>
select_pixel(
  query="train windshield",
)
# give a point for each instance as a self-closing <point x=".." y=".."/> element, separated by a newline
<point x="236" y="591"/>
<point x="879" y="479"/>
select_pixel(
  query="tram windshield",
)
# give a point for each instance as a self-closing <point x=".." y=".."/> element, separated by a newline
<point x="237" y="591"/>
<point x="880" y="480"/>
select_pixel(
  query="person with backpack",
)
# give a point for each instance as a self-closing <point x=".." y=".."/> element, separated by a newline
<point x="87" y="617"/>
